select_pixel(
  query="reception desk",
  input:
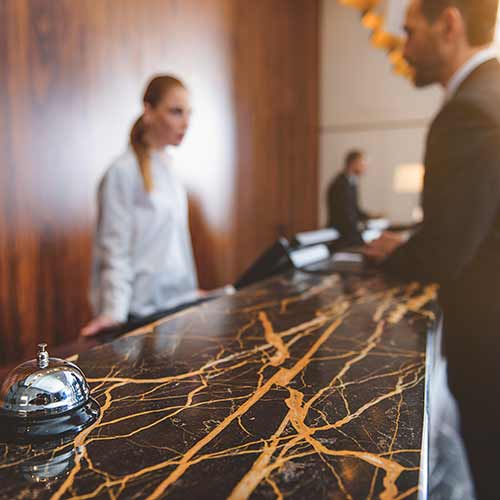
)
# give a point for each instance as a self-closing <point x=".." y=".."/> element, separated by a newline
<point x="303" y="386"/>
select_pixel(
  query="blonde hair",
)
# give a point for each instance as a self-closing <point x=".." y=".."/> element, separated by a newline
<point x="155" y="91"/>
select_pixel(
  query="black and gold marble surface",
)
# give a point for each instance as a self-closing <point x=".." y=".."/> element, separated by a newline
<point x="303" y="387"/>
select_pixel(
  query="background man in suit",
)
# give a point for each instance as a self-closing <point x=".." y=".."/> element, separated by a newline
<point x="344" y="213"/>
<point x="458" y="244"/>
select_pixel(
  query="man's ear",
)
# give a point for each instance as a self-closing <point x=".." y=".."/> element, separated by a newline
<point x="452" y="24"/>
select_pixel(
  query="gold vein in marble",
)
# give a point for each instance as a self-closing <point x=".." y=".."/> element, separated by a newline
<point x="274" y="340"/>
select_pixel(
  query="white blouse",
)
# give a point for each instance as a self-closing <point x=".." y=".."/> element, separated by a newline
<point x="142" y="256"/>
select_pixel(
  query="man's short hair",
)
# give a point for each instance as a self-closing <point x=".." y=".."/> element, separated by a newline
<point x="479" y="15"/>
<point x="352" y="156"/>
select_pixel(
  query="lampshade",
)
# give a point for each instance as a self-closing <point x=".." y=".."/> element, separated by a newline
<point x="408" y="178"/>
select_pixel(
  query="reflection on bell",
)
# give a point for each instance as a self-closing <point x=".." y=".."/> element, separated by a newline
<point x="49" y="466"/>
<point x="45" y="398"/>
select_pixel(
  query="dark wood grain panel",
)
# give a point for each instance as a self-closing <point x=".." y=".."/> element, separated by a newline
<point x="277" y="121"/>
<point x="72" y="74"/>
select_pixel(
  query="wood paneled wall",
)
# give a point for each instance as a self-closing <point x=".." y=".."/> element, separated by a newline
<point x="72" y="74"/>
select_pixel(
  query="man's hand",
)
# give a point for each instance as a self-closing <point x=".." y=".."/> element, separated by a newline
<point x="382" y="247"/>
<point x="98" y="324"/>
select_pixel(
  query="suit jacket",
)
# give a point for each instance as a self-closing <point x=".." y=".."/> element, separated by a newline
<point x="458" y="244"/>
<point x="343" y="209"/>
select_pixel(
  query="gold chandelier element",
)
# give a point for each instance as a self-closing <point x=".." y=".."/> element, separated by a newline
<point x="373" y="17"/>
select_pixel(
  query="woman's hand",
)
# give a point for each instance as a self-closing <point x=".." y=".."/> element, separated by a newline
<point x="382" y="247"/>
<point x="98" y="324"/>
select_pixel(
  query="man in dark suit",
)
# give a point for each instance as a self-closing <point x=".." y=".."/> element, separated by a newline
<point x="344" y="213"/>
<point x="458" y="244"/>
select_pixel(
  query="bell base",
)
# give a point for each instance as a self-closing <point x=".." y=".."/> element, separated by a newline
<point x="27" y="430"/>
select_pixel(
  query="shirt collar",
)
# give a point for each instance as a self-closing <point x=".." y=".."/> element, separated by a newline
<point x="352" y="179"/>
<point x="467" y="68"/>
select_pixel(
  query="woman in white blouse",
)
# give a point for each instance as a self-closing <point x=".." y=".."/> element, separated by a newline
<point x="142" y="260"/>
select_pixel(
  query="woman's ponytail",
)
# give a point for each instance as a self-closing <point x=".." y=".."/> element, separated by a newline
<point x="141" y="150"/>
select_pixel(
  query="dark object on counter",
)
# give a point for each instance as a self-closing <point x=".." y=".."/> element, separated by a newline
<point x="274" y="260"/>
<point x="45" y="398"/>
<point x="311" y="252"/>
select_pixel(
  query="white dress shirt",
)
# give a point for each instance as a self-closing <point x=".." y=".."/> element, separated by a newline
<point x="466" y="69"/>
<point x="142" y="256"/>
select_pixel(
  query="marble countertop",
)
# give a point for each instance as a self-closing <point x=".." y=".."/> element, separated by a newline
<point x="305" y="386"/>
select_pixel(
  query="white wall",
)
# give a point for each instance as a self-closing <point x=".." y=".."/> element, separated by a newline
<point x="365" y="105"/>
